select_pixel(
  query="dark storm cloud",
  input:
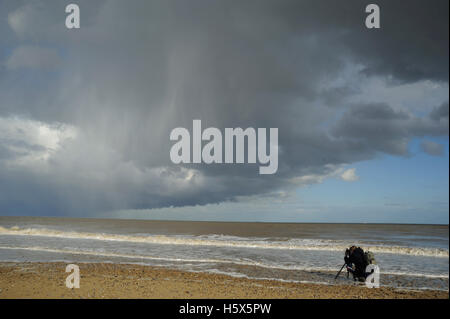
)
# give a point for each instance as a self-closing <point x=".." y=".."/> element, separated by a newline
<point x="136" y="70"/>
<point x="432" y="148"/>
<point x="440" y="112"/>
<point x="413" y="44"/>
<point x="383" y="129"/>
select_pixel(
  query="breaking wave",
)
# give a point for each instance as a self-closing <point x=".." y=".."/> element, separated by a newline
<point x="227" y="241"/>
<point x="206" y="260"/>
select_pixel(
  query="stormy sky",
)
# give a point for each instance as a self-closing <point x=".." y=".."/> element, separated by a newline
<point x="85" y="115"/>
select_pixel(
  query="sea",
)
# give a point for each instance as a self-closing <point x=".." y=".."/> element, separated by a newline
<point x="408" y="256"/>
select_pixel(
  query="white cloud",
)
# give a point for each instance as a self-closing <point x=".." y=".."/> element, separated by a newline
<point x="18" y="20"/>
<point x="37" y="20"/>
<point x="75" y="164"/>
<point x="331" y="171"/>
<point x="29" y="142"/>
<point x="349" y="175"/>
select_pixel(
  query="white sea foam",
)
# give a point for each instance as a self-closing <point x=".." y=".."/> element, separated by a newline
<point x="206" y="260"/>
<point x="325" y="283"/>
<point x="227" y="241"/>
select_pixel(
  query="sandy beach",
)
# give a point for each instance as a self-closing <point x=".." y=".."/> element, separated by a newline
<point x="47" y="280"/>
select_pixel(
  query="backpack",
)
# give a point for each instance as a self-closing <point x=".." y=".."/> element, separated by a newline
<point x="369" y="258"/>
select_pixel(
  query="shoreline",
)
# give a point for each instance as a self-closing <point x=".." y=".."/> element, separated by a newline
<point x="123" y="281"/>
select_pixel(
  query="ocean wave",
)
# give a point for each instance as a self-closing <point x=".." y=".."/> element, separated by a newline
<point x="327" y="283"/>
<point x="228" y="241"/>
<point x="209" y="261"/>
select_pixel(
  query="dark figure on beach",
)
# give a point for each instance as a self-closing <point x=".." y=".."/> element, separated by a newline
<point x="356" y="263"/>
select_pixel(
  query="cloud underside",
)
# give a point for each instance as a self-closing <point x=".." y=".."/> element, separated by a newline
<point x="432" y="148"/>
<point x="90" y="131"/>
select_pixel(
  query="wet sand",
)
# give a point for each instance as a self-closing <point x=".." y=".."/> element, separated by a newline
<point x="47" y="280"/>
